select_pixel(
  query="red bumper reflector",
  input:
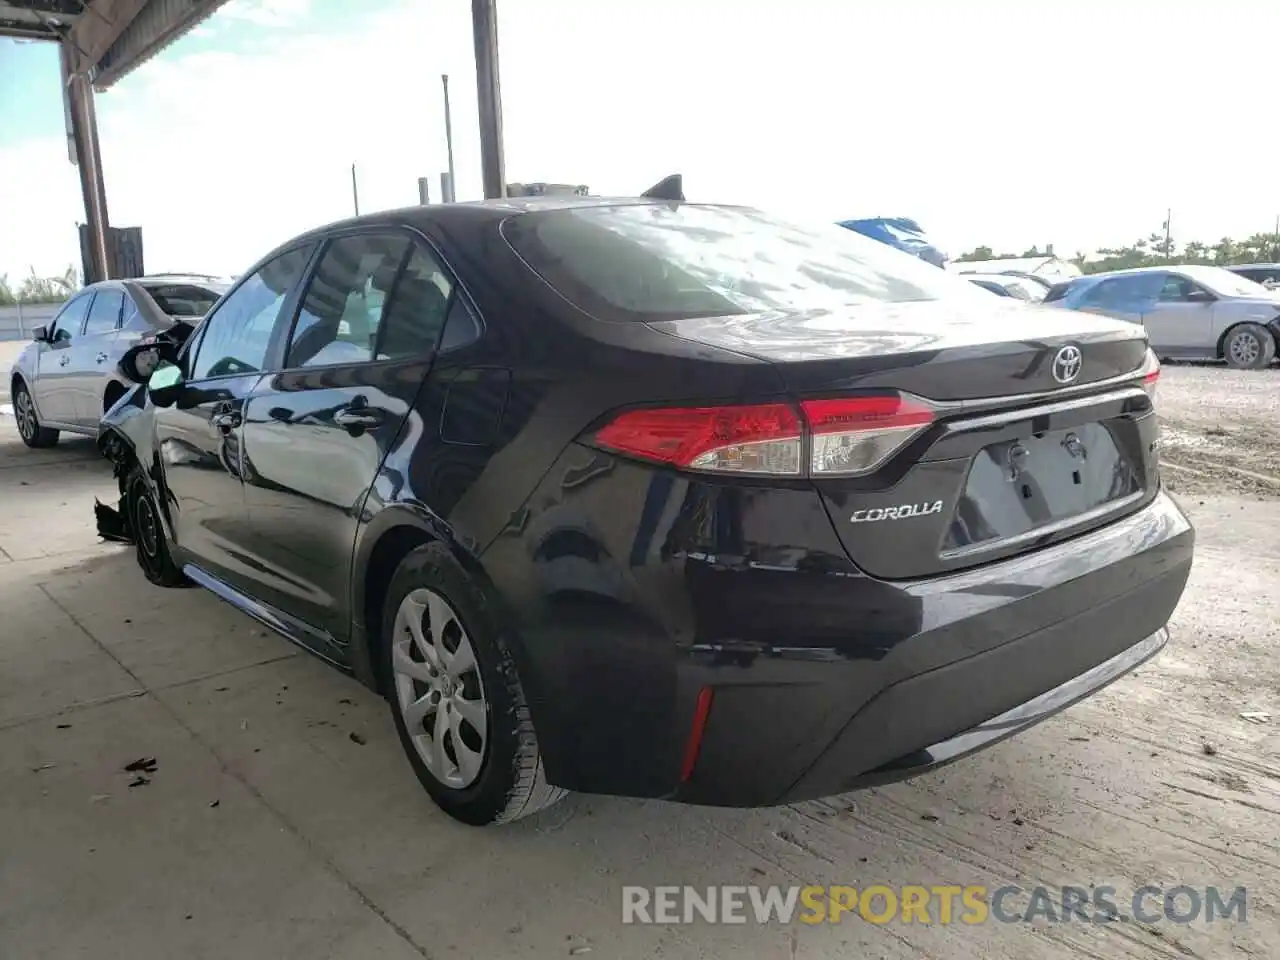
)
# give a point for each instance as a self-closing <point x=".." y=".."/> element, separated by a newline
<point x="701" y="711"/>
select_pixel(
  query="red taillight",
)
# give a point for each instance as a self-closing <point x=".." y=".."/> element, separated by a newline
<point x="762" y="438"/>
<point x="1151" y="375"/>
<point x="849" y="435"/>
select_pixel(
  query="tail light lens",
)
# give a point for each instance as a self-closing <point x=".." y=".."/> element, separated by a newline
<point x="848" y="436"/>
<point x="740" y="439"/>
<point x="854" y="435"/>
<point x="1151" y="375"/>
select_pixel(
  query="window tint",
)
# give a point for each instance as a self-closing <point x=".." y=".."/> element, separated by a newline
<point x="1122" y="293"/>
<point x="646" y="262"/>
<point x="1176" y="289"/>
<point x="418" y="309"/>
<point x="237" y="335"/>
<point x="68" y="323"/>
<point x="343" y="307"/>
<point x="104" y="315"/>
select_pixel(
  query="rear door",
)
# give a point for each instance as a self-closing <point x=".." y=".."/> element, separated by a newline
<point x="199" y="436"/>
<point x="317" y="431"/>
<point x="91" y="353"/>
<point x="1181" y="319"/>
<point x="53" y="388"/>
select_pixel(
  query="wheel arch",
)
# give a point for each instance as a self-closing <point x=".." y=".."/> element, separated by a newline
<point x="1272" y="328"/>
<point x="380" y="547"/>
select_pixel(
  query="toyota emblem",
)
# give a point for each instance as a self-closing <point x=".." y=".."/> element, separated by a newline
<point x="1066" y="364"/>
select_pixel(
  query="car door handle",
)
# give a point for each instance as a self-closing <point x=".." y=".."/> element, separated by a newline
<point x="226" y="420"/>
<point x="358" y="417"/>
<point x="102" y="358"/>
<point x="63" y="360"/>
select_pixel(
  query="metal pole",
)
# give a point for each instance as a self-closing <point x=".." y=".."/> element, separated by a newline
<point x="355" y="191"/>
<point x="448" y="129"/>
<point x="84" y="129"/>
<point x="1168" y="235"/>
<point x="424" y="191"/>
<point x="446" y="188"/>
<point x="484" y="29"/>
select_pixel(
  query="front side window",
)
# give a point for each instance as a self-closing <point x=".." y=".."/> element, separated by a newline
<point x="104" y="315"/>
<point x="1176" y="289"/>
<point x="67" y="323"/>
<point x="342" y="310"/>
<point x="236" y="337"/>
<point x="646" y="262"/>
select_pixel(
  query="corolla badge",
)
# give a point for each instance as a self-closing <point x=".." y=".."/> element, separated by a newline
<point x="1067" y="363"/>
<point x="896" y="513"/>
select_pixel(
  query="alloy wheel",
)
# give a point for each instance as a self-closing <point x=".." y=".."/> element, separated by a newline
<point x="1244" y="350"/>
<point x="148" y="526"/>
<point x="438" y="688"/>
<point x="25" y="413"/>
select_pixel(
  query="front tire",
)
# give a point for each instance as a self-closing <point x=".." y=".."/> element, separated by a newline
<point x="1249" y="347"/>
<point x="150" y="543"/>
<point x="456" y="697"/>
<point x="24" y="411"/>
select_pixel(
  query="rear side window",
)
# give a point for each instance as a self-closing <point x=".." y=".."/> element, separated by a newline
<point x="236" y="337"/>
<point x="104" y="315"/>
<point x="1121" y="293"/>
<point x="646" y="262"/>
<point x="418" y="310"/>
<point x="342" y="310"/>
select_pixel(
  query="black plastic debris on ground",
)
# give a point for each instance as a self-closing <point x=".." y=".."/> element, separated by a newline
<point x="142" y="765"/>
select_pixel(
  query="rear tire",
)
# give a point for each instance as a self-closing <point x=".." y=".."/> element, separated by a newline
<point x="24" y="411"/>
<point x="1249" y="347"/>
<point x="456" y="697"/>
<point x="150" y="543"/>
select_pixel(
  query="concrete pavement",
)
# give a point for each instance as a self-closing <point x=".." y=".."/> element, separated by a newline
<point x="268" y="830"/>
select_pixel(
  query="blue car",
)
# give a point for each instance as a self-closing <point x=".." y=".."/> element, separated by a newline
<point x="900" y="232"/>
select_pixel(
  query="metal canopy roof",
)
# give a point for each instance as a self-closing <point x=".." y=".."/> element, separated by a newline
<point x="106" y="38"/>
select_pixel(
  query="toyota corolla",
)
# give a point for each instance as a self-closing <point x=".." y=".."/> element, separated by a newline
<point x="658" y="499"/>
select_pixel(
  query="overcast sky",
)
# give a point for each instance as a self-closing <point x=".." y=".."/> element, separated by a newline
<point x="1006" y="123"/>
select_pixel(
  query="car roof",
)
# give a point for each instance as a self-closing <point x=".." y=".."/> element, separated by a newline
<point x="1253" y="266"/>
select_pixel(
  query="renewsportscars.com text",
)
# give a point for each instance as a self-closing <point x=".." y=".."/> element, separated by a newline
<point x="939" y="904"/>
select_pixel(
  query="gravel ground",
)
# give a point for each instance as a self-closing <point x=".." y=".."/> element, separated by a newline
<point x="1220" y="429"/>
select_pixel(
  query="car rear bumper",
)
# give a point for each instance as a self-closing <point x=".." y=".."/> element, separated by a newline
<point x="634" y="593"/>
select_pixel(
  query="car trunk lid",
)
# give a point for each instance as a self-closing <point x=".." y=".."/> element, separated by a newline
<point x="1040" y="428"/>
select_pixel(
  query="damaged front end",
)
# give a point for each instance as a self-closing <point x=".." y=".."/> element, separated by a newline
<point x="118" y="440"/>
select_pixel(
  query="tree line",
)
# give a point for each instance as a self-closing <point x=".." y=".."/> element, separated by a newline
<point x="1155" y="250"/>
<point x="37" y="289"/>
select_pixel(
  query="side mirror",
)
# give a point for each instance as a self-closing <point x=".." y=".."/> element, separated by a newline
<point x="165" y="384"/>
<point x="1200" y="296"/>
<point x="40" y="334"/>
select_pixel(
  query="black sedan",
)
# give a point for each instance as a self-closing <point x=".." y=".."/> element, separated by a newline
<point x="659" y="499"/>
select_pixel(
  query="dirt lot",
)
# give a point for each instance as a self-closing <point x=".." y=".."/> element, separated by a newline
<point x="267" y="830"/>
<point x="1221" y="429"/>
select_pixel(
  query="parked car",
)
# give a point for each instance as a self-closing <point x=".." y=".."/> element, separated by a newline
<point x="67" y="378"/>
<point x="1020" y="288"/>
<point x="1267" y="274"/>
<point x="901" y="233"/>
<point x="1188" y="312"/>
<point x="658" y="499"/>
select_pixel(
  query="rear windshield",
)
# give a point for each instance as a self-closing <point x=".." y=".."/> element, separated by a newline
<point x="183" y="300"/>
<point x="649" y="262"/>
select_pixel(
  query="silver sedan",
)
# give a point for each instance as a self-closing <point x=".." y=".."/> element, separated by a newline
<point x="1189" y="312"/>
<point x="66" y="379"/>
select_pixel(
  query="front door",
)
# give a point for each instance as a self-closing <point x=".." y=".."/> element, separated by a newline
<point x="54" y="396"/>
<point x="1181" y="319"/>
<point x="316" y="433"/>
<point x="89" y="370"/>
<point x="199" y="436"/>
